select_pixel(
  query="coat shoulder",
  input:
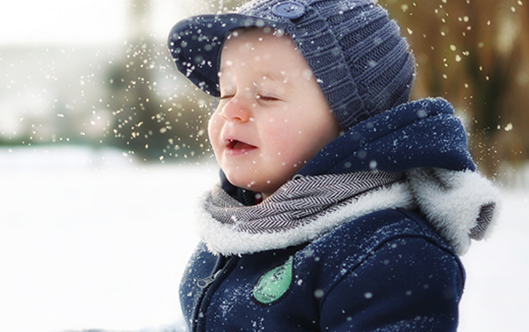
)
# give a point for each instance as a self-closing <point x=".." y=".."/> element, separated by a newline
<point x="348" y="246"/>
<point x="366" y="233"/>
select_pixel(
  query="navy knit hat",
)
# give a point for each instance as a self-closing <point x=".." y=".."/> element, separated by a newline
<point x="354" y="50"/>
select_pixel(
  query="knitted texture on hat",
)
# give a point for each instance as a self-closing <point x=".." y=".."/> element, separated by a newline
<point x="354" y="50"/>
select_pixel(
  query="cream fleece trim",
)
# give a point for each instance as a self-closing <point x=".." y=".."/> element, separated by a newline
<point x="460" y="205"/>
<point x="223" y="239"/>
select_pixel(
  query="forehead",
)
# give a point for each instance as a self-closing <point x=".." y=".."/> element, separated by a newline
<point x="256" y="32"/>
<point x="259" y="48"/>
<point x="259" y="41"/>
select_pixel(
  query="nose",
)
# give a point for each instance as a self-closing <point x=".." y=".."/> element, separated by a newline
<point x="236" y="109"/>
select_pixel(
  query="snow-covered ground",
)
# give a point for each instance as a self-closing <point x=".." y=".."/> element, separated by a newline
<point x="92" y="240"/>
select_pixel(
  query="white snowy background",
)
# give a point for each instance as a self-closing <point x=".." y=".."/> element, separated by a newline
<point x="92" y="240"/>
<point x="89" y="239"/>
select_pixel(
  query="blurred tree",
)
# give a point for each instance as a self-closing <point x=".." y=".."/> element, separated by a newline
<point x="146" y="124"/>
<point x="229" y="5"/>
<point x="476" y="54"/>
<point x="216" y="6"/>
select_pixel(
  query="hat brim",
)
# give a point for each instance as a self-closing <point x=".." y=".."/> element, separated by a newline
<point x="196" y="45"/>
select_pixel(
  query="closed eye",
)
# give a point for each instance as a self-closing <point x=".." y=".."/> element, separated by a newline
<point x="267" y="98"/>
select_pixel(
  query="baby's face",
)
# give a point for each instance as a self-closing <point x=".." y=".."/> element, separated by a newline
<point x="272" y="116"/>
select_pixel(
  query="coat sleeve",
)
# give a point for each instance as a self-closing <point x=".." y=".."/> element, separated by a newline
<point x="408" y="284"/>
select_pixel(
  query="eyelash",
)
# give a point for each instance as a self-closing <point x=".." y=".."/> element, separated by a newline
<point x="266" y="98"/>
<point x="260" y="97"/>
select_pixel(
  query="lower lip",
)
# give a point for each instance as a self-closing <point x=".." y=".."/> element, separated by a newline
<point x="238" y="152"/>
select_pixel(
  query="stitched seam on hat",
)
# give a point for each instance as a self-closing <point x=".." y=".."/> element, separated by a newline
<point x="386" y="63"/>
<point x="400" y="88"/>
<point x="368" y="46"/>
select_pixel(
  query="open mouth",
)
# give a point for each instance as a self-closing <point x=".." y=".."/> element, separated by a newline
<point x="236" y="145"/>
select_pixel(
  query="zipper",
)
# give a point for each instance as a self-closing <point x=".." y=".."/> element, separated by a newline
<point x="247" y="197"/>
<point x="204" y="283"/>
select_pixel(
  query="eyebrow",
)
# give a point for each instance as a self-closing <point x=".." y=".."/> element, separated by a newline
<point x="272" y="76"/>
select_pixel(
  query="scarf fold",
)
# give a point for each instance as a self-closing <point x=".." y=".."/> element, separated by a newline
<point x="301" y="210"/>
<point x="460" y="205"/>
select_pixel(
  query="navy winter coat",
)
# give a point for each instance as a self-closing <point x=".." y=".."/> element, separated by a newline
<point x="390" y="270"/>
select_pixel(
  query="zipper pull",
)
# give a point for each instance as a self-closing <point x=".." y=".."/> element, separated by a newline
<point x="203" y="283"/>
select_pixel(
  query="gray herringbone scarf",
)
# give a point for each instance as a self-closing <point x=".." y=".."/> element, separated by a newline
<point x="296" y="203"/>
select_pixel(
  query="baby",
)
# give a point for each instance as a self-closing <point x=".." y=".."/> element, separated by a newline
<point x="342" y="206"/>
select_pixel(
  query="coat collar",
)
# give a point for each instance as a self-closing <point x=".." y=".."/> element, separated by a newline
<point x="422" y="133"/>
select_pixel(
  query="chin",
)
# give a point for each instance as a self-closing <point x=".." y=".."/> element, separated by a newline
<point x="246" y="183"/>
<point x="238" y="181"/>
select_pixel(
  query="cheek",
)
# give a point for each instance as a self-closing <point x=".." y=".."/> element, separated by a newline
<point x="283" y="139"/>
<point x="294" y="141"/>
<point x="214" y="128"/>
